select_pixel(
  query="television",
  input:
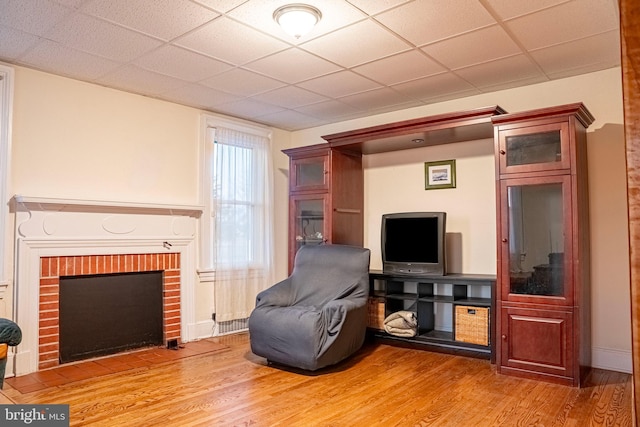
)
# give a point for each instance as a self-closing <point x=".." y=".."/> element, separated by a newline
<point x="413" y="243"/>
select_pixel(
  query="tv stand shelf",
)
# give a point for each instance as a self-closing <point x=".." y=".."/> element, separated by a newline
<point x="434" y="300"/>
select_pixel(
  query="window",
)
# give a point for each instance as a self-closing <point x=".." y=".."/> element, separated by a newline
<point x="238" y="191"/>
<point x="237" y="227"/>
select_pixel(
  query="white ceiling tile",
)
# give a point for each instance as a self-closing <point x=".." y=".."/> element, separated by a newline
<point x="510" y="69"/>
<point x="248" y="108"/>
<point x="181" y="63"/>
<point x="230" y="41"/>
<point x="75" y="4"/>
<point x="399" y="68"/>
<point x="373" y="7"/>
<point x="374" y="99"/>
<point x="55" y="58"/>
<point x="596" y="52"/>
<point x="15" y="43"/>
<point x="426" y="21"/>
<point x="290" y="97"/>
<point x="222" y="6"/>
<point x="472" y="48"/>
<point x="509" y="9"/>
<point x="279" y="66"/>
<point x="259" y="14"/>
<point x="31" y="16"/>
<point x="359" y="43"/>
<point x="339" y="84"/>
<point x="563" y="23"/>
<point x="330" y="109"/>
<point x="395" y="107"/>
<point x="434" y="86"/>
<point x="201" y="96"/>
<point x="100" y="38"/>
<point x="285" y="118"/>
<point x="504" y="85"/>
<point x="165" y="19"/>
<point x="138" y="80"/>
<point x="242" y="82"/>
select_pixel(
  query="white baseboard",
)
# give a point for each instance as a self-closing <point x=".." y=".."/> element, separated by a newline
<point x="612" y="360"/>
<point x="205" y="329"/>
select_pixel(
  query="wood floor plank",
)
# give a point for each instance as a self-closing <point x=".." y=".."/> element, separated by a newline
<point x="381" y="385"/>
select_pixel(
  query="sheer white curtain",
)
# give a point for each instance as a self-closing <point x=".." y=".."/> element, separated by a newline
<point x="242" y="221"/>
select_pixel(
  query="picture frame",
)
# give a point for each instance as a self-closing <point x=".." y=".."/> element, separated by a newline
<point x="440" y="174"/>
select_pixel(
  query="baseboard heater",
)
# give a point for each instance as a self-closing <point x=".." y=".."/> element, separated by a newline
<point x="233" y="326"/>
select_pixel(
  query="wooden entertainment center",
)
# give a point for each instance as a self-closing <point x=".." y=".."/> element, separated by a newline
<point x="538" y="304"/>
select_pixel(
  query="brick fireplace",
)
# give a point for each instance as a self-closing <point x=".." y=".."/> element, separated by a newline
<point x="51" y="268"/>
<point x="68" y="238"/>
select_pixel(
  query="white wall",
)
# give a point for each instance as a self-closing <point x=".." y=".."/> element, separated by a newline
<point x="394" y="181"/>
<point x="77" y="140"/>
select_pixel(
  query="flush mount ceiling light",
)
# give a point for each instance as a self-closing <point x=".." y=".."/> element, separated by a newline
<point x="297" y="19"/>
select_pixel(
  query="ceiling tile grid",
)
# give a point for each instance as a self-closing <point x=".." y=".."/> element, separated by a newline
<point x="364" y="57"/>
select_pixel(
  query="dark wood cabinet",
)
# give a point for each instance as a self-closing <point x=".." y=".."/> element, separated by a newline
<point x="541" y="313"/>
<point x="325" y="197"/>
<point x="538" y="342"/>
<point x="543" y="244"/>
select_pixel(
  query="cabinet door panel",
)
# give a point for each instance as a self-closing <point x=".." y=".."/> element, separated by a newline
<point x="309" y="173"/>
<point x="535" y="148"/>
<point x="309" y="222"/>
<point x="536" y="240"/>
<point x="537" y="341"/>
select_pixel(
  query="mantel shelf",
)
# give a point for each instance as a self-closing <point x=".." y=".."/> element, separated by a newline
<point x="19" y="202"/>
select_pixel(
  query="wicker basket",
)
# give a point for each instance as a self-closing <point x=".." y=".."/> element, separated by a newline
<point x="472" y="324"/>
<point x="375" y="308"/>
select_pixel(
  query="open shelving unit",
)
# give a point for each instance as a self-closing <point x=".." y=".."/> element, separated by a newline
<point x="434" y="300"/>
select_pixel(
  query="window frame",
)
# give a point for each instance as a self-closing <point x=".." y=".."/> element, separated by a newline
<point x="209" y="124"/>
<point x="6" y="114"/>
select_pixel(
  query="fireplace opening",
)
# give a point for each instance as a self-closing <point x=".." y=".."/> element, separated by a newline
<point x="109" y="313"/>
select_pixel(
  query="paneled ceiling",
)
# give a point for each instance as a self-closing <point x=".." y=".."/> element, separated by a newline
<point x="364" y="57"/>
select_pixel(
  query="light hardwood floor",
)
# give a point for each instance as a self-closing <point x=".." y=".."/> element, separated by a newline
<point x="380" y="386"/>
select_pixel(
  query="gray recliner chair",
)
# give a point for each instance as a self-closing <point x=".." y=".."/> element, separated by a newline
<point x="318" y="315"/>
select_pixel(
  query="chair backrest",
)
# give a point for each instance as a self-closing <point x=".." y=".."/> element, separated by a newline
<point x="327" y="272"/>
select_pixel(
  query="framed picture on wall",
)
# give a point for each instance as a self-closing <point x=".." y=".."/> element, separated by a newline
<point x="441" y="174"/>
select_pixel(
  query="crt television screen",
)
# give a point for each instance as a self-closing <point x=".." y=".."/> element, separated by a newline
<point x="411" y="240"/>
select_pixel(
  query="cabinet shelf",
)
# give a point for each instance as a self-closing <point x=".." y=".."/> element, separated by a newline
<point x="404" y="296"/>
<point x="438" y="298"/>
<point x="478" y="302"/>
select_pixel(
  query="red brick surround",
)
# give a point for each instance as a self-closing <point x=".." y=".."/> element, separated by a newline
<point x="51" y="268"/>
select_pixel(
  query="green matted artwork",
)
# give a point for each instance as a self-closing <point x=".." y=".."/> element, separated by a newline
<point x="441" y="174"/>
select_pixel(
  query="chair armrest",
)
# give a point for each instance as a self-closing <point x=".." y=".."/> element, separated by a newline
<point x="278" y="295"/>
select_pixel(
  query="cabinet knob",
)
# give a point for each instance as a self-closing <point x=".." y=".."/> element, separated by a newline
<point x="504" y="337"/>
<point x="503" y="152"/>
<point x="504" y="240"/>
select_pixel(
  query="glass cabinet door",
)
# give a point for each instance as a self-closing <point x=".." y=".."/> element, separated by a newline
<point x="536" y="239"/>
<point x="309" y="225"/>
<point x="309" y="173"/>
<point x="534" y="148"/>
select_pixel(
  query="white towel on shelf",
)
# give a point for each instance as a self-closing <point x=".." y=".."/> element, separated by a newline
<point x="401" y="324"/>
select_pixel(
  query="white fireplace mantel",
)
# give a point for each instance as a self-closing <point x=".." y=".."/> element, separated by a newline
<point x="57" y="204"/>
<point x="71" y="227"/>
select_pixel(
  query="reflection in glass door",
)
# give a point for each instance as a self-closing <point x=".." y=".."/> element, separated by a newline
<point x="536" y="239"/>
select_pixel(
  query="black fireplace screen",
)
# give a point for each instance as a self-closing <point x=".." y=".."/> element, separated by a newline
<point x="107" y="314"/>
